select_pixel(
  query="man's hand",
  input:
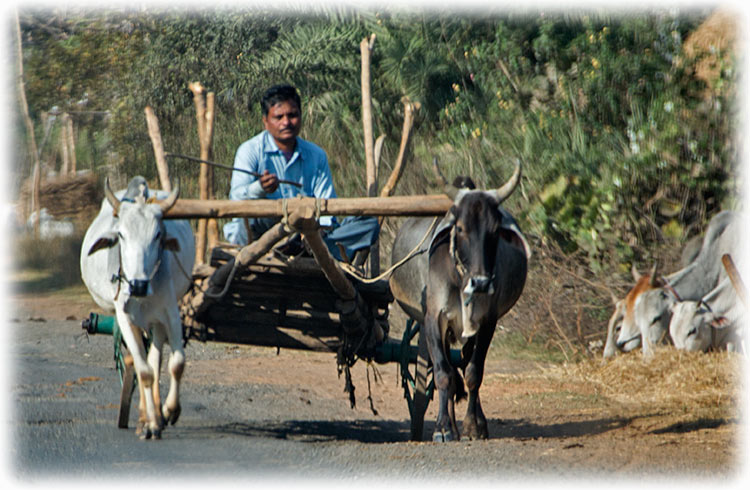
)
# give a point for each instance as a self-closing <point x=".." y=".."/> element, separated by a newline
<point x="269" y="182"/>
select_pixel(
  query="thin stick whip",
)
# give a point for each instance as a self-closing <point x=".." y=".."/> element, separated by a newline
<point x="227" y="167"/>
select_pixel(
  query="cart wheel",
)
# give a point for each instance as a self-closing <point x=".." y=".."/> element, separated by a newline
<point x="126" y="394"/>
<point x="416" y="378"/>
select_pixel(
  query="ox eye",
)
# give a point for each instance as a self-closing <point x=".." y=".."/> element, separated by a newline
<point x="692" y="331"/>
<point x="656" y="319"/>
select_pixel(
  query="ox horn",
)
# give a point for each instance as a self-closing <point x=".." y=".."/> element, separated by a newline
<point x="507" y="189"/>
<point x="167" y="203"/>
<point x="110" y="195"/>
<point x="653" y="281"/>
<point x="450" y="190"/>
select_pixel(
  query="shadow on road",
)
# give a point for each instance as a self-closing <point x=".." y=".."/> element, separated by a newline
<point x="365" y="431"/>
<point x="523" y="429"/>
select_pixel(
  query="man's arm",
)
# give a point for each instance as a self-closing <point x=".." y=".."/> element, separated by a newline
<point x="244" y="186"/>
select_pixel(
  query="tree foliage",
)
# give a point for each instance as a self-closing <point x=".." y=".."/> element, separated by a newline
<point x="622" y="142"/>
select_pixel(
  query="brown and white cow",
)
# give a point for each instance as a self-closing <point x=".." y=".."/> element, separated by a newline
<point x="647" y="306"/>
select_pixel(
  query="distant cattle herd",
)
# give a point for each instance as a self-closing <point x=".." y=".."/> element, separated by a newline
<point x="697" y="308"/>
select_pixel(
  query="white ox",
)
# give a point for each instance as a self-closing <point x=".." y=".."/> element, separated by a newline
<point x="138" y="266"/>
<point x="646" y="315"/>
<point x="717" y="321"/>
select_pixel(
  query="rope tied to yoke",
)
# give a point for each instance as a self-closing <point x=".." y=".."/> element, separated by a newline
<point x="349" y="269"/>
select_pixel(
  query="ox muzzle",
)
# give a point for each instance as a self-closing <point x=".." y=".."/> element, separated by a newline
<point x="138" y="287"/>
<point x="477" y="285"/>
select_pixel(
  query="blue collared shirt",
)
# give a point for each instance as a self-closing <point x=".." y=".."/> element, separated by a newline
<point x="308" y="166"/>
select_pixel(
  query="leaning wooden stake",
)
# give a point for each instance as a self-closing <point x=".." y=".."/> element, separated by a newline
<point x="409" y="109"/>
<point x="161" y="161"/>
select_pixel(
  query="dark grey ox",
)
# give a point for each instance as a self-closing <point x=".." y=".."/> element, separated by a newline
<point x="472" y="273"/>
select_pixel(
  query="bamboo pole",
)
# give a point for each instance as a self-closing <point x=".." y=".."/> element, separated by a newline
<point x="161" y="161"/>
<point x="419" y="205"/>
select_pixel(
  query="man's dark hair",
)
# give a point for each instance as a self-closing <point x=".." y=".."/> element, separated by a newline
<point x="276" y="94"/>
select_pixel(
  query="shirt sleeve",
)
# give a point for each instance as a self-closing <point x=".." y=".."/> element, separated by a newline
<point x="245" y="186"/>
<point x="323" y="187"/>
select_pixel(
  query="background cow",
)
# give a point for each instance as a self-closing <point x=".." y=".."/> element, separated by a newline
<point x="715" y="322"/>
<point x="472" y="272"/>
<point x="647" y="305"/>
<point x="137" y="265"/>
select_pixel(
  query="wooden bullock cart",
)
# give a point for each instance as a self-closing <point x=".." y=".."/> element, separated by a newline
<point x="256" y="295"/>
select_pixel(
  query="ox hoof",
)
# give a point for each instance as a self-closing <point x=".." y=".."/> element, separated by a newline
<point x="150" y="434"/>
<point x="171" y="416"/>
<point x="442" y="436"/>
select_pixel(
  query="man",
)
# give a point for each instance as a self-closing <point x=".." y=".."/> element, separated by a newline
<point x="279" y="154"/>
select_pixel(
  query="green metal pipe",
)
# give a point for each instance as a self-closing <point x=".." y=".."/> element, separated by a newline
<point x="100" y="324"/>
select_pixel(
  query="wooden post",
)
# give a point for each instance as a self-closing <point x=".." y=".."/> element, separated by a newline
<point x="71" y="142"/>
<point x="161" y="161"/>
<point x="33" y="152"/>
<point x="365" y="48"/>
<point x="205" y="135"/>
<point x="212" y="227"/>
<point x="65" y="165"/>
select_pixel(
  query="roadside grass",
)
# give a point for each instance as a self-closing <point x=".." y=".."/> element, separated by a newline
<point x="46" y="265"/>
<point x="513" y="345"/>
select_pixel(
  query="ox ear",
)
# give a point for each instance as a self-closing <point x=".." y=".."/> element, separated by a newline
<point x="107" y="240"/>
<point x="636" y="274"/>
<point x="450" y="190"/>
<point x="171" y="244"/>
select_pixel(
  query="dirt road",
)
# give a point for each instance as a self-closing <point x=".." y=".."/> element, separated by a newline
<point x="251" y="412"/>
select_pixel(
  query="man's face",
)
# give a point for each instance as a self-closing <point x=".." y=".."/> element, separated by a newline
<point x="283" y="121"/>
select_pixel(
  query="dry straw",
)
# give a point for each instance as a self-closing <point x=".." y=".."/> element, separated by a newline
<point x="669" y="379"/>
